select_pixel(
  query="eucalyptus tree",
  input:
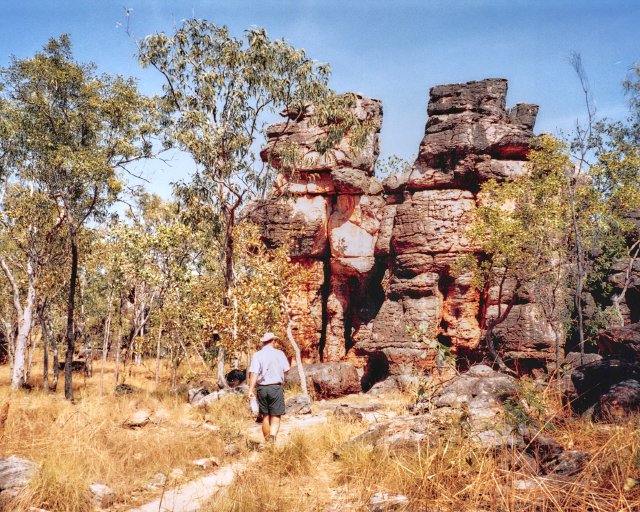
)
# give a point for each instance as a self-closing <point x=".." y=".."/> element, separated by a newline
<point x="28" y="229"/>
<point x="521" y="227"/>
<point x="604" y="187"/>
<point x="77" y="132"/>
<point x="615" y="175"/>
<point x="219" y="93"/>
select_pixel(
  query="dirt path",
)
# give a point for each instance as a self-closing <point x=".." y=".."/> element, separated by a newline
<point x="190" y="497"/>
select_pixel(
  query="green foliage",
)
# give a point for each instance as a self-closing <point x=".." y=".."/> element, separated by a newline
<point x="219" y="93"/>
<point x="392" y="165"/>
<point x="521" y="224"/>
<point x="425" y="334"/>
<point x="527" y="407"/>
<point x="71" y="129"/>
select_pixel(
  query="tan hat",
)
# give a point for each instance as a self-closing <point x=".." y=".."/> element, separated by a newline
<point x="267" y="337"/>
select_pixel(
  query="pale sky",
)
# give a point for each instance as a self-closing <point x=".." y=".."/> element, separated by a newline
<point x="394" y="50"/>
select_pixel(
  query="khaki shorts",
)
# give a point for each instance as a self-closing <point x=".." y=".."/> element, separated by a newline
<point x="271" y="399"/>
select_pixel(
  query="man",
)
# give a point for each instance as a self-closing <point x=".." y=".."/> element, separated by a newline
<point x="266" y="372"/>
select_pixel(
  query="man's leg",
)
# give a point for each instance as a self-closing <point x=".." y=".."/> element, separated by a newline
<point x="266" y="426"/>
<point x="274" y="422"/>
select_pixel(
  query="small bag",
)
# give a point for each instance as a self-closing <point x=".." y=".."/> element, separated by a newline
<point x="253" y="403"/>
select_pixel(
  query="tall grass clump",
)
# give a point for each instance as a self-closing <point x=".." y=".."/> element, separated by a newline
<point x="295" y="475"/>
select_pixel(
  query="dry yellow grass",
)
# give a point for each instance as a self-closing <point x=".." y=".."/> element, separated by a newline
<point x="294" y="476"/>
<point x="448" y="474"/>
<point x="77" y="444"/>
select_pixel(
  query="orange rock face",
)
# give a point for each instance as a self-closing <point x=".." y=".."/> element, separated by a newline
<point x="381" y="255"/>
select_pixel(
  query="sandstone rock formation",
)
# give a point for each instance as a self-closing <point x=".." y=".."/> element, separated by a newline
<point x="379" y="258"/>
<point x="609" y="378"/>
<point x="329" y="209"/>
<point x="630" y="302"/>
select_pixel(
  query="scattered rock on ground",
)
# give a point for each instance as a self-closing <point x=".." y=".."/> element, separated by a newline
<point x="566" y="463"/>
<point x="160" y="416"/>
<point x="299" y="404"/>
<point x="572" y="361"/>
<point x="620" y="401"/>
<point x="207" y="463"/>
<point x="126" y="389"/>
<point x="357" y="412"/>
<point x="158" y="480"/>
<point x="593" y="380"/>
<point x="384" y="502"/>
<point x="231" y="449"/>
<point x="394" y="383"/>
<point x="15" y="473"/>
<point x="475" y="403"/>
<point x="204" y="400"/>
<point x="194" y="395"/>
<point x="138" y="419"/>
<point x="103" y="495"/>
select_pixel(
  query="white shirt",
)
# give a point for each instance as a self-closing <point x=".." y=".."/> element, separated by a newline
<point x="270" y="365"/>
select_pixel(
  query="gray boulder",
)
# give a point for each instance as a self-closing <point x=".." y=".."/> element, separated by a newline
<point x="299" y="404"/>
<point x="328" y="380"/>
<point x="15" y="473"/>
<point x="620" y="401"/>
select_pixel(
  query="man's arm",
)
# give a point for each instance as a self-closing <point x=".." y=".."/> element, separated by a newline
<point x="253" y="377"/>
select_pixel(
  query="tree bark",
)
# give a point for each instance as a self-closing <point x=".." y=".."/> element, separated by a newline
<point x="116" y="364"/>
<point x="222" y="381"/>
<point x="32" y="350"/>
<point x="56" y="360"/>
<point x="45" y="350"/>
<point x="70" y="335"/>
<point x="296" y="349"/>
<point x="106" y="339"/>
<point x="25" y="318"/>
<point x="158" y="347"/>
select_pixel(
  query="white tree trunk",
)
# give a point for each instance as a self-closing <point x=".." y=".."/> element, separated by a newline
<point x="25" y="318"/>
<point x="296" y="349"/>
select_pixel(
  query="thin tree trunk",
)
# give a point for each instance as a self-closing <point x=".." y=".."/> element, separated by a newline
<point x="492" y="325"/>
<point x="106" y="339"/>
<point x="86" y="345"/>
<point x="116" y="370"/>
<point x="25" y="318"/>
<point x="32" y="350"/>
<point x="222" y="381"/>
<point x="584" y="137"/>
<point x="6" y="331"/>
<point x="45" y="348"/>
<point x="70" y="335"/>
<point x="296" y="349"/>
<point x="158" y="347"/>
<point x="56" y="359"/>
<point x="627" y="279"/>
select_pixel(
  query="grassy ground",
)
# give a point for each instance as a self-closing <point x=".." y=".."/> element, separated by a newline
<point x="75" y="445"/>
<point x="86" y="442"/>
<point x="448" y="474"/>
